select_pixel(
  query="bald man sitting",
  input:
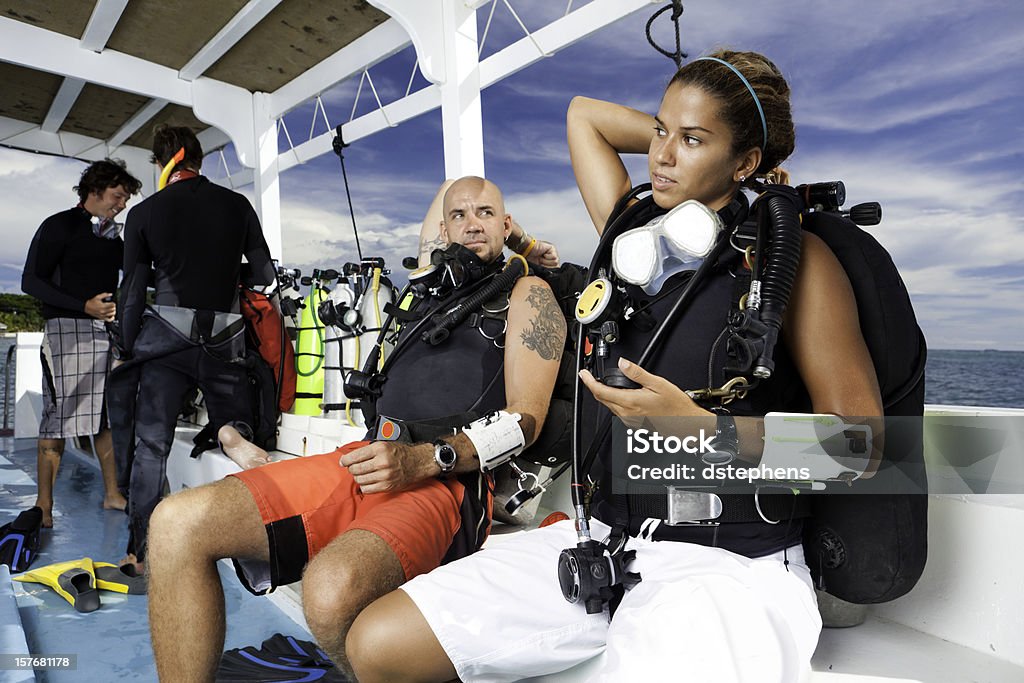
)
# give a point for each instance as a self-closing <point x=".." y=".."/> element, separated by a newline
<point x="356" y="523"/>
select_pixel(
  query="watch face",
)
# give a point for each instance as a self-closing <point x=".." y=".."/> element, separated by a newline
<point x="445" y="456"/>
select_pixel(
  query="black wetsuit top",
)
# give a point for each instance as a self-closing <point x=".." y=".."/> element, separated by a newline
<point x="462" y="374"/>
<point x="692" y="356"/>
<point x="191" y="235"/>
<point x="67" y="264"/>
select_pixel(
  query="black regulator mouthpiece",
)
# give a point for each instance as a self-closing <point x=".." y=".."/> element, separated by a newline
<point x="459" y="266"/>
<point x="456" y="265"/>
<point x="341" y="315"/>
<point x="363" y="386"/>
<point x="591" y="574"/>
<point x="448" y="270"/>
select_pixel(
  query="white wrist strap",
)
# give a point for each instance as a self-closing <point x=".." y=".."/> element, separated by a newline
<point x="496" y="438"/>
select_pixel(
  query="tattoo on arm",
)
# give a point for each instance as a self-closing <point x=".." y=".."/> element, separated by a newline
<point x="547" y="326"/>
<point x="429" y="245"/>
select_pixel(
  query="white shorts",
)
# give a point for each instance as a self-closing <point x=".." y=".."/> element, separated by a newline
<point x="699" y="614"/>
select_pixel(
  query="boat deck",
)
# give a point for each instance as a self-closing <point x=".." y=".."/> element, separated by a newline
<point x="113" y="642"/>
<point x="955" y="626"/>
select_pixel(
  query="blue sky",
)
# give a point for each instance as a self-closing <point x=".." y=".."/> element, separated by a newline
<point x="917" y="105"/>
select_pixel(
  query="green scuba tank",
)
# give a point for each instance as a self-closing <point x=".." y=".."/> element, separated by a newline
<point x="309" y="352"/>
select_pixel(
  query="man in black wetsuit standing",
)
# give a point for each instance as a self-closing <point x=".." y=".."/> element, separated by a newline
<point x="189" y="240"/>
<point x="72" y="268"/>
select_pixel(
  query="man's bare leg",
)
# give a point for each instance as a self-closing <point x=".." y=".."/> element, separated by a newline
<point x="103" y="446"/>
<point x="48" y="453"/>
<point x="245" y="454"/>
<point x="188" y="532"/>
<point x="351" y="572"/>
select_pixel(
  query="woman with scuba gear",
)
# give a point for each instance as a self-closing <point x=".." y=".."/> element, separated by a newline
<point x="728" y="600"/>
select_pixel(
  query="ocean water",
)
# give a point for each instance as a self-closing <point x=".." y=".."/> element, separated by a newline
<point x="975" y="378"/>
<point x="972" y="378"/>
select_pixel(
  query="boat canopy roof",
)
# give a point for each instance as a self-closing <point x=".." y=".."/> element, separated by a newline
<point x="89" y="80"/>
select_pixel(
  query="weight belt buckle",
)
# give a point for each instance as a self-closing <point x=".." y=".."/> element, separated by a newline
<point x="691" y="507"/>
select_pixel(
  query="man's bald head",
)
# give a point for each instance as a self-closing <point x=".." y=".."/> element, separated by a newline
<point x="473" y="185"/>
<point x="474" y="216"/>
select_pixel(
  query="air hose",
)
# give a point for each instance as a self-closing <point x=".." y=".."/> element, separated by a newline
<point x="769" y="296"/>
<point x="442" y="325"/>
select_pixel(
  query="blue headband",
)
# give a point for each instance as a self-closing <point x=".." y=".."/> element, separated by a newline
<point x="760" y="111"/>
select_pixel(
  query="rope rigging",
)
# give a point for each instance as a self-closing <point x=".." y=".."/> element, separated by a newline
<point x="339" y="144"/>
<point x="677" y="12"/>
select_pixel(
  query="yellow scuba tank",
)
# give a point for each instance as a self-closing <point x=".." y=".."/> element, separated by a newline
<point x="309" y="352"/>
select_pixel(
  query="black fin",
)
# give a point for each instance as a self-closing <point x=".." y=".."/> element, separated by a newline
<point x="19" y="540"/>
<point x="280" y="658"/>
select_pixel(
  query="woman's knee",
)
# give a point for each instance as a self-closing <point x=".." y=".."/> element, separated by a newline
<point x="389" y="636"/>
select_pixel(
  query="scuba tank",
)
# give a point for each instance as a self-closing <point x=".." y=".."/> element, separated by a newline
<point x="309" y="355"/>
<point x="337" y="344"/>
<point x="377" y="294"/>
<point x="354" y="315"/>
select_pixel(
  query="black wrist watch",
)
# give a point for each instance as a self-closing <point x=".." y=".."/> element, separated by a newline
<point x="726" y="443"/>
<point x="445" y="457"/>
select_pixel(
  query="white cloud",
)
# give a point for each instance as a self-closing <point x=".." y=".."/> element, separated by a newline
<point x="952" y="217"/>
<point x="559" y="217"/>
<point x="955" y="239"/>
<point x="34" y="186"/>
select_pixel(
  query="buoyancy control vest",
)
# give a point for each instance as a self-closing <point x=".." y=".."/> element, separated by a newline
<point x="461" y="375"/>
<point x="872" y="547"/>
<point x="862" y="548"/>
<point x="692" y="355"/>
<point x="434" y="389"/>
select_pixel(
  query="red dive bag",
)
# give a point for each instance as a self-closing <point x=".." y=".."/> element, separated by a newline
<point x="265" y="332"/>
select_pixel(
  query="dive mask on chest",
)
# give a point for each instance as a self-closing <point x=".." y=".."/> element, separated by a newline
<point x="106" y="228"/>
<point x="676" y="241"/>
<point x="457" y="266"/>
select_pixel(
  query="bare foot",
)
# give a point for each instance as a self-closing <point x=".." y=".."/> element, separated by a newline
<point x="245" y="454"/>
<point x="114" y="502"/>
<point x="140" y="567"/>
<point x="47" y="513"/>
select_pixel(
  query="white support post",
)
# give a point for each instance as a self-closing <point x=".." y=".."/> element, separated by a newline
<point x="266" y="183"/>
<point x="445" y="37"/>
<point x="461" y="115"/>
<point x="422" y="21"/>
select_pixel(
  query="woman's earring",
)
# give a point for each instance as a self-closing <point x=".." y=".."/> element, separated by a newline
<point x="743" y="178"/>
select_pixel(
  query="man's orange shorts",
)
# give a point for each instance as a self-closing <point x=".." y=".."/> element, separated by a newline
<point x="307" y="502"/>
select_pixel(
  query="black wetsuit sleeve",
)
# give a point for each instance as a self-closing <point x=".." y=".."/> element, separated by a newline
<point x="257" y="253"/>
<point x="137" y="271"/>
<point x="44" y="257"/>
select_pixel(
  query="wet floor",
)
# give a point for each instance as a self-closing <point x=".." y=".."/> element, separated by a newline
<point x="111" y="643"/>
